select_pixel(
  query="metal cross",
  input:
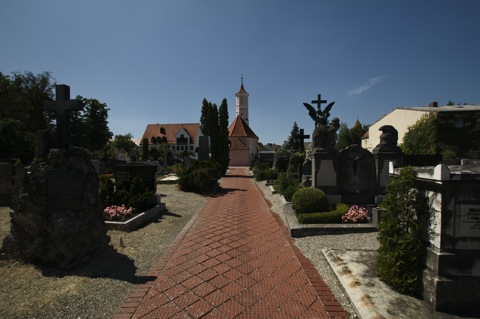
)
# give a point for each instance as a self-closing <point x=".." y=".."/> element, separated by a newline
<point x="301" y="139"/>
<point x="62" y="107"/>
<point x="319" y="101"/>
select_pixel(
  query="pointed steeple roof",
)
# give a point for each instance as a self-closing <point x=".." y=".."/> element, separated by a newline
<point x="242" y="89"/>
<point x="239" y="128"/>
<point x="357" y="123"/>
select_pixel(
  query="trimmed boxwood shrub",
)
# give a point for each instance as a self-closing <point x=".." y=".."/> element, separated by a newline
<point x="331" y="217"/>
<point x="200" y="177"/>
<point x="309" y="200"/>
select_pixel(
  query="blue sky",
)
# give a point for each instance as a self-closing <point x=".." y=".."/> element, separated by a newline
<point x="155" y="61"/>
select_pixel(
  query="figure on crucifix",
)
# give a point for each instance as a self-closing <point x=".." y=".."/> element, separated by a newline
<point x="324" y="134"/>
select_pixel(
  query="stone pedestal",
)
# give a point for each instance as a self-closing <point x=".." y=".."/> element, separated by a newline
<point x="382" y="176"/>
<point x="58" y="214"/>
<point x="325" y="173"/>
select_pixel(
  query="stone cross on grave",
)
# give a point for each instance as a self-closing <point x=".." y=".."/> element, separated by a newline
<point x="301" y="139"/>
<point x="62" y="107"/>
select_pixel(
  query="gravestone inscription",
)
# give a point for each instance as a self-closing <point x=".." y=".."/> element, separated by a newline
<point x="64" y="189"/>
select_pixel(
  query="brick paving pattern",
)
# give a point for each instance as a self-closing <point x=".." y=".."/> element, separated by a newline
<point x="233" y="260"/>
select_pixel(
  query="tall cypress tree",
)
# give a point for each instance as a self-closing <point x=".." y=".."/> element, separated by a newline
<point x="224" y="151"/>
<point x="213" y="131"/>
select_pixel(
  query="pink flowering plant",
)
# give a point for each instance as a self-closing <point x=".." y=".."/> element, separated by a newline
<point x="355" y="214"/>
<point x="115" y="212"/>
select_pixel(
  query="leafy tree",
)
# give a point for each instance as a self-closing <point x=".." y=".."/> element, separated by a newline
<point x="123" y="141"/>
<point x="421" y="138"/>
<point x="22" y="96"/>
<point x="347" y="136"/>
<point x="293" y="142"/>
<point x="90" y="126"/>
<point x="15" y="141"/>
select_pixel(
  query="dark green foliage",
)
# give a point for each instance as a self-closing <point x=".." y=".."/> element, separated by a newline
<point x="123" y="142"/>
<point x="15" y="141"/>
<point x="262" y="171"/>
<point x="422" y="137"/>
<point x="22" y="96"/>
<point x="288" y="193"/>
<point x="223" y="141"/>
<point x="347" y="136"/>
<point x="90" y="126"/>
<point x="282" y="158"/>
<point x="403" y="234"/>
<point x="215" y="124"/>
<point x="286" y="179"/>
<point x="295" y="164"/>
<point x="309" y="200"/>
<point x="200" y="177"/>
<point x="293" y="142"/>
<point x="134" y="195"/>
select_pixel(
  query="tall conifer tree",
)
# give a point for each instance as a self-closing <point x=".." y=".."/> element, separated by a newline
<point x="224" y="151"/>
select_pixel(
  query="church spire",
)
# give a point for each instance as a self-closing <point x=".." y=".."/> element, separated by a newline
<point x="242" y="102"/>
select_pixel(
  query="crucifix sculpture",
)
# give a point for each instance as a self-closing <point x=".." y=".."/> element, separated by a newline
<point x="62" y="107"/>
<point x="320" y="117"/>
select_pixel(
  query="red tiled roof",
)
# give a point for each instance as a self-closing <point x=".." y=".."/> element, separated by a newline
<point x="242" y="89"/>
<point x="240" y="128"/>
<point x="170" y="130"/>
<point x="237" y="145"/>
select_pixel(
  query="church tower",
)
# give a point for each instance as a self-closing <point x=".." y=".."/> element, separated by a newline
<point x="241" y="102"/>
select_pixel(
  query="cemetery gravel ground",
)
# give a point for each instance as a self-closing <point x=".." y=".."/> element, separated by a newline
<point x="97" y="289"/>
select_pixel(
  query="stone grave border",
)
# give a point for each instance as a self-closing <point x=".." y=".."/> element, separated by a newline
<point x="138" y="220"/>
<point x="303" y="230"/>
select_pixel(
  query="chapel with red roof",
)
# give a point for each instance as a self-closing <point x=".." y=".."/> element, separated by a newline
<point x="243" y="141"/>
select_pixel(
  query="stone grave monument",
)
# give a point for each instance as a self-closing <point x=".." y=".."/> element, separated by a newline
<point x="356" y="175"/>
<point x="451" y="279"/>
<point x="57" y="215"/>
<point x="324" y="157"/>
<point x="386" y="151"/>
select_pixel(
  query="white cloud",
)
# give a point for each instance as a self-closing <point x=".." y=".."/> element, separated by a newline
<point x="368" y="85"/>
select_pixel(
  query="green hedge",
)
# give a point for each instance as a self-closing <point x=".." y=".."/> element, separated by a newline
<point x="330" y="217"/>
<point x="403" y="234"/>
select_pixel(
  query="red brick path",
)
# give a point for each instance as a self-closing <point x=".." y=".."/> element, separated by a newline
<point x="233" y="260"/>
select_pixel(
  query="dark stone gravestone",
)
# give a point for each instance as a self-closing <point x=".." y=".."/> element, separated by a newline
<point x="147" y="173"/>
<point x="5" y="183"/>
<point x="385" y="152"/>
<point x="57" y="215"/>
<point x="356" y="175"/>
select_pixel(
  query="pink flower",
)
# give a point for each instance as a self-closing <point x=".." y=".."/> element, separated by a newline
<point x="117" y="212"/>
<point x="355" y="214"/>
